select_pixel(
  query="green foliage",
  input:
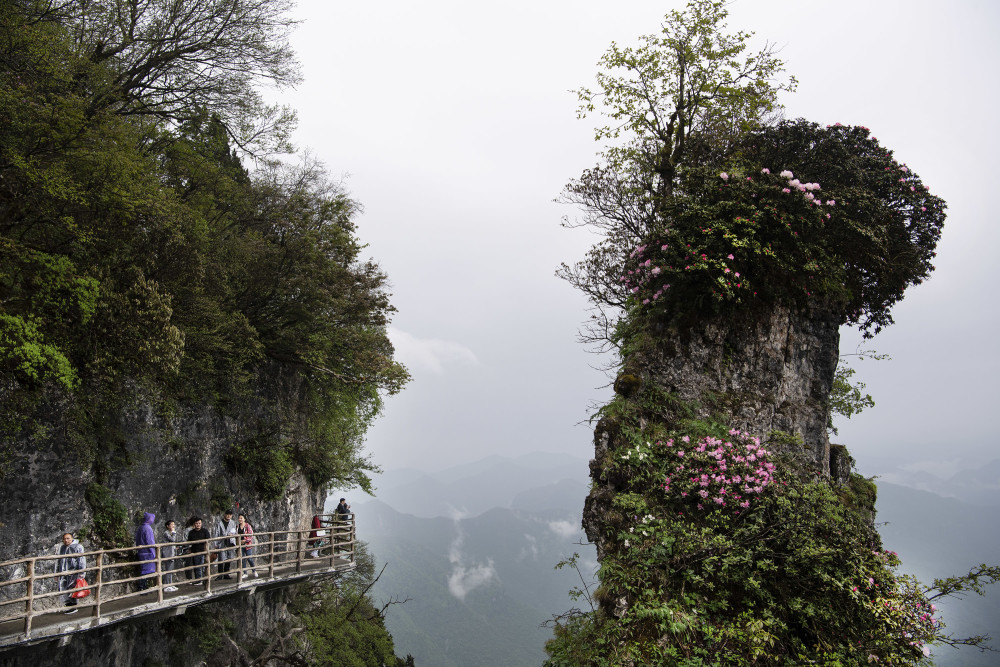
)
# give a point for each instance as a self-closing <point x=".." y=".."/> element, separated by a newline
<point x="847" y="399"/>
<point x="853" y="231"/>
<point x="345" y="627"/>
<point x="140" y="258"/>
<point x="691" y="78"/>
<point x="716" y="552"/>
<point x="110" y="517"/>
<point x="267" y="465"/>
<point x="795" y="576"/>
<point x="694" y="216"/>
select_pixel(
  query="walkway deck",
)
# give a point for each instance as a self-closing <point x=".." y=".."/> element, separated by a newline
<point x="281" y="558"/>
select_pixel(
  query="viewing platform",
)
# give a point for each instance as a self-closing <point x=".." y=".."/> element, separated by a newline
<point x="32" y="606"/>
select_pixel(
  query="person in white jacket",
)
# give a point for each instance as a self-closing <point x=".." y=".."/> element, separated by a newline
<point x="71" y="567"/>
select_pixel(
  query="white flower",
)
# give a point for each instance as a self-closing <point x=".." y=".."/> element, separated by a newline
<point x="626" y="542"/>
<point x="786" y="174"/>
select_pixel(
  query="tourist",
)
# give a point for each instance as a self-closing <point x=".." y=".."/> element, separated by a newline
<point x="246" y="530"/>
<point x="343" y="509"/>
<point x="71" y="566"/>
<point x="342" y="529"/>
<point x="145" y="539"/>
<point x="314" y="535"/>
<point x="197" y="549"/>
<point x="225" y="528"/>
<point x="167" y="553"/>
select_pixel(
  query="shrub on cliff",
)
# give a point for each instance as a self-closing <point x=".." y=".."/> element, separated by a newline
<point x="795" y="214"/>
<point x="692" y="205"/>
<point x="717" y="552"/>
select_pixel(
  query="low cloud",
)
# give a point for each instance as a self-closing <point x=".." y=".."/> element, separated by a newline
<point x="529" y="551"/>
<point x="464" y="579"/>
<point x="564" y="529"/>
<point x="432" y="354"/>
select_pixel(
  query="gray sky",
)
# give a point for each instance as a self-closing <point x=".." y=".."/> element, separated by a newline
<point x="455" y="128"/>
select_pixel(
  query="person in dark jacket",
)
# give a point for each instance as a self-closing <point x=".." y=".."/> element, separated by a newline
<point x="342" y="529"/>
<point x="145" y="539"/>
<point x="197" y="532"/>
<point x="71" y="566"/>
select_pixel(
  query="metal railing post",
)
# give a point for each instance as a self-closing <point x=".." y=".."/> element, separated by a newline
<point x="100" y="582"/>
<point x="270" y="556"/>
<point x="208" y="567"/>
<point x="298" y="554"/>
<point x="159" y="575"/>
<point x="29" y="603"/>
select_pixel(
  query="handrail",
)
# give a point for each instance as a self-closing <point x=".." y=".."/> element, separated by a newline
<point x="33" y="584"/>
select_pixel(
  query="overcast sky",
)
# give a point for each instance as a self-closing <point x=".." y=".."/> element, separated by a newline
<point x="455" y="128"/>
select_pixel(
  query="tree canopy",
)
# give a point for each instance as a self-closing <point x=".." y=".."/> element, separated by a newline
<point x="689" y="195"/>
<point x="136" y="247"/>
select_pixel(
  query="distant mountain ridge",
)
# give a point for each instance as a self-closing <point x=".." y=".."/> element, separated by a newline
<point x="473" y="488"/>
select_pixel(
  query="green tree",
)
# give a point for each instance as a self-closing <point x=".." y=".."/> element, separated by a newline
<point x="689" y="88"/>
<point x="171" y="61"/>
<point x="137" y="250"/>
<point x="346" y="626"/>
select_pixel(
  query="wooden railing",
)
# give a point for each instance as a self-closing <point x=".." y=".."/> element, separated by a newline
<point x="29" y="587"/>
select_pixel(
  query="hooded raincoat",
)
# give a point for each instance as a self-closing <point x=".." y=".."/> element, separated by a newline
<point x="144" y="538"/>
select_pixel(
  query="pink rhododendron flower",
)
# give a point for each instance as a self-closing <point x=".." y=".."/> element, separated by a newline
<point x="785" y="190"/>
<point x="724" y="176"/>
<point x="655" y="271"/>
<point x="786" y="174"/>
<point x="765" y="170"/>
<point x="830" y="202"/>
<point x="730" y="256"/>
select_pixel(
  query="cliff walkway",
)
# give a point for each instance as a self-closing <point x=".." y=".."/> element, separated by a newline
<point x="32" y="606"/>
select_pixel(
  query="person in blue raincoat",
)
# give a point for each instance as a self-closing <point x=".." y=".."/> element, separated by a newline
<point x="145" y="539"/>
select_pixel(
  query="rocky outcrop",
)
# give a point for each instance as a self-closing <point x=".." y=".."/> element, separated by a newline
<point x="761" y="372"/>
<point x="173" y="466"/>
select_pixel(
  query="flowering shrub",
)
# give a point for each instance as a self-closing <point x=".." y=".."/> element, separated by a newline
<point x="719" y="552"/>
<point x="713" y="474"/>
<point x="842" y="221"/>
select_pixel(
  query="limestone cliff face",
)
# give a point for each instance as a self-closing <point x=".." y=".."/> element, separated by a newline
<point x="172" y="465"/>
<point x="764" y="372"/>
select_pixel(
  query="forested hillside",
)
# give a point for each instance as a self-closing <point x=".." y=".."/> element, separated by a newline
<point x="187" y="318"/>
<point x="148" y="237"/>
